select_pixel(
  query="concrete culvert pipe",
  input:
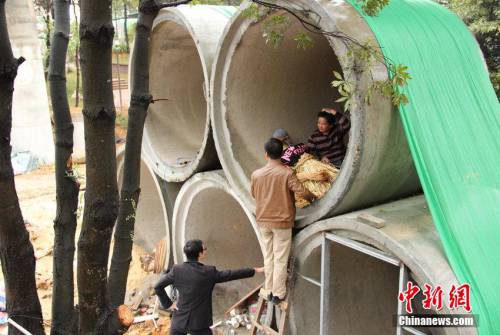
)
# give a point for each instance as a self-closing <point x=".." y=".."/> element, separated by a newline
<point x="151" y="221"/>
<point x="177" y="136"/>
<point x="364" y="289"/>
<point x="207" y="209"/>
<point x="257" y="88"/>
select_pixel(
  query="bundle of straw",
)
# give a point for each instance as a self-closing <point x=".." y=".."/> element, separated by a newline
<point x="315" y="175"/>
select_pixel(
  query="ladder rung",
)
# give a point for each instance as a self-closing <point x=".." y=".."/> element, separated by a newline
<point x="266" y="329"/>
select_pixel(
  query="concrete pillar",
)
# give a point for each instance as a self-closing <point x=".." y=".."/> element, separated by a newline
<point x="363" y="291"/>
<point x="257" y="88"/>
<point x="177" y="136"/>
<point x="207" y="209"/>
<point x="31" y="128"/>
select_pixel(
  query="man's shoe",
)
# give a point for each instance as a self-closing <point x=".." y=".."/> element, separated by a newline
<point x="276" y="301"/>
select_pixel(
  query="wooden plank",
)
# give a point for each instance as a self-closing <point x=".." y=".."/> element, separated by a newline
<point x="242" y="300"/>
<point x="371" y="220"/>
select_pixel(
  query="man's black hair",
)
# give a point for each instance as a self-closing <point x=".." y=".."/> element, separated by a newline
<point x="274" y="148"/>
<point x="192" y="249"/>
<point x="328" y="117"/>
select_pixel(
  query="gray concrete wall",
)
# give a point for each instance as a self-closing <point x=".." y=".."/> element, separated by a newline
<point x="31" y="128"/>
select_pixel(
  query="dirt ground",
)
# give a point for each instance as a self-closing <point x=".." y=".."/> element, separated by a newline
<point x="36" y="192"/>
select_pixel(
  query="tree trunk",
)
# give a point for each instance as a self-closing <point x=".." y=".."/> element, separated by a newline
<point x="139" y="102"/>
<point x="77" y="60"/>
<point x="67" y="187"/>
<point x="101" y="196"/>
<point x="16" y="251"/>
<point x="125" y="26"/>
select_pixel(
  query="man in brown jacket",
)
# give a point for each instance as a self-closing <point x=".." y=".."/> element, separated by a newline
<point x="273" y="187"/>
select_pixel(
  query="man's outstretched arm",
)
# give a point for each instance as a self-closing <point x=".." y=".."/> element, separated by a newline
<point x="228" y="275"/>
<point x="164" y="281"/>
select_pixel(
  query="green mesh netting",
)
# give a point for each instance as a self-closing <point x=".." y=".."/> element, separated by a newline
<point x="453" y="128"/>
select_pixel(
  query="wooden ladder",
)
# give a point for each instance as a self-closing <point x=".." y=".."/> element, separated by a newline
<point x="276" y="314"/>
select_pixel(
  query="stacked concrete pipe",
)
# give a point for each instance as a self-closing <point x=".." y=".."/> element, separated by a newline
<point x="256" y="88"/>
<point x="151" y="218"/>
<point x="364" y="290"/>
<point x="177" y="135"/>
<point x="208" y="209"/>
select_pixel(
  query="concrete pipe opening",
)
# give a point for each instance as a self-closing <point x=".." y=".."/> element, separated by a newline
<point x="257" y="88"/>
<point x="207" y="209"/>
<point x="177" y="136"/>
<point x="363" y="288"/>
<point x="151" y="221"/>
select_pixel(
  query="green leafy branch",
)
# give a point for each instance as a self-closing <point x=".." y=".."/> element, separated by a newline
<point x="372" y="7"/>
<point x="360" y="57"/>
<point x="275" y="25"/>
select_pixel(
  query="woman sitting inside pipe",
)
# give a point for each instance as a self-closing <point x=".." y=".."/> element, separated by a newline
<point x="327" y="141"/>
<point x="311" y="163"/>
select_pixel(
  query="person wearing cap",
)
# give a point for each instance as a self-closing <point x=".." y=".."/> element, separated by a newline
<point x="291" y="152"/>
<point x="273" y="187"/>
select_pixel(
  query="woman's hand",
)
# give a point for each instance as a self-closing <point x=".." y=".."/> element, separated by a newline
<point x="325" y="160"/>
<point x="329" y="110"/>
<point x="259" y="270"/>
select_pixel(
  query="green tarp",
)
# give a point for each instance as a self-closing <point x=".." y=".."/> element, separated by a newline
<point x="452" y="124"/>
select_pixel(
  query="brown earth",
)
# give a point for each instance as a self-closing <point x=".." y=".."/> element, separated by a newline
<point x="36" y="192"/>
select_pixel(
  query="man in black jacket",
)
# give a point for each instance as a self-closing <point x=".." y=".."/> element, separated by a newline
<point x="194" y="281"/>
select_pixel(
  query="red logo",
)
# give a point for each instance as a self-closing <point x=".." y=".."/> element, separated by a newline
<point x="459" y="297"/>
<point x="433" y="297"/>
<point x="408" y="295"/>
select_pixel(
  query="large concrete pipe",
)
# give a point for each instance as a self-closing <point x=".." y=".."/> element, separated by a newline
<point x="257" y="88"/>
<point x="151" y="219"/>
<point x="177" y="136"/>
<point x="207" y="209"/>
<point x="364" y="289"/>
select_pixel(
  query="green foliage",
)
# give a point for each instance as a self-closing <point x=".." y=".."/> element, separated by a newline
<point x="346" y="90"/>
<point x="121" y="120"/>
<point x="273" y="29"/>
<point x="373" y="7"/>
<point x="304" y="41"/>
<point x="483" y="19"/>
<point x="74" y="40"/>
<point x="254" y="12"/>
<point x="119" y="47"/>
<point x="359" y="58"/>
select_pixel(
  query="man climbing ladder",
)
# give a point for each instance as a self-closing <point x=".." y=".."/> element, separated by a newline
<point x="273" y="187"/>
